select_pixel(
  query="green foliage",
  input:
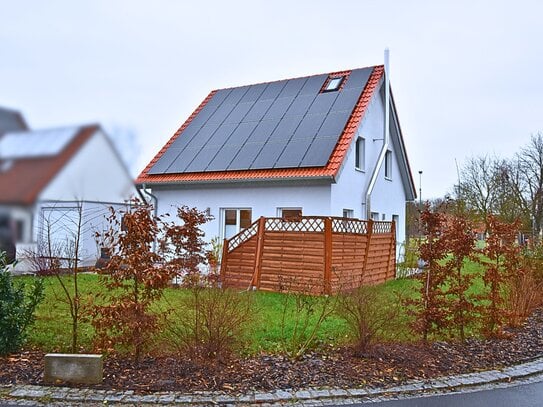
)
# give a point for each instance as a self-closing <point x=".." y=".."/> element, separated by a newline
<point x="16" y="310"/>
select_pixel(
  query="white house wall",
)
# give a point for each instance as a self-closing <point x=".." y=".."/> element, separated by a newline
<point x="262" y="200"/>
<point x="350" y="190"/>
<point x="94" y="173"/>
<point x="388" y="197"/>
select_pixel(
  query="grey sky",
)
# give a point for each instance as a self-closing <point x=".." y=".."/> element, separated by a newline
<point x="466" y="75"/>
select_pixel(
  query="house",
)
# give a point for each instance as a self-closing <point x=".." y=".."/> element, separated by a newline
<point x="327" y="145"/>
<point x="48" y="177"/>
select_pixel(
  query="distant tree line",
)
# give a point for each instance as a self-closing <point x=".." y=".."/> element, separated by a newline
<point x="509" y="189"/>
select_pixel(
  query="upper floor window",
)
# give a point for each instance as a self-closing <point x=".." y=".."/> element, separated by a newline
<point x="388" y="164"/>
<point x="360" y="154"/>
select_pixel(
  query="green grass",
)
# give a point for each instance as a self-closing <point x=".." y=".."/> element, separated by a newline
<point x="52" y="330"/>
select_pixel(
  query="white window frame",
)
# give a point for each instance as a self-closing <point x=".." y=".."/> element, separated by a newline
<point x="288" y="208"/>
<point x="388" y="165"/>
<point x="348" y="213"/>
<point x="360" y="156"/>
<point x="238" y="219"/>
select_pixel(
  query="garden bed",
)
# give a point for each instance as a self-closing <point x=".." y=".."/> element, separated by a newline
<point x="389" y="364"/>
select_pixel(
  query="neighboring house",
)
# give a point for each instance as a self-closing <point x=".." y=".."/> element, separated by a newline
<point x="11" y="120"/>
<point x="315" y="145"/>
<point x="47" y="177"/>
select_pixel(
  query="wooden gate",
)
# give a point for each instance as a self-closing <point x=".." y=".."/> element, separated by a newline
<point x="321" y="255"/>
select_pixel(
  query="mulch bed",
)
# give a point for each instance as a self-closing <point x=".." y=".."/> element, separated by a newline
<point x="389" y="364"/>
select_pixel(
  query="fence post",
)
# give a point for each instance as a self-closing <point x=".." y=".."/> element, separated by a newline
<point x="392" y="251"/>
<point x="369" y="233"/>
<point x="327" y="256"/>
<point x="258" y="255"/>
<point x="224" y="260"/>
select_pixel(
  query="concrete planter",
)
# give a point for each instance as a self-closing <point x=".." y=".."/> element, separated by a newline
<point x="73" y="368"/>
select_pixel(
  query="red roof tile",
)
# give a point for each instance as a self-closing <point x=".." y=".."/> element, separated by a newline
<point x="330" y="170"/>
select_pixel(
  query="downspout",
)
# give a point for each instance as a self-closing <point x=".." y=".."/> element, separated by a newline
<point x="386" y="138"/>
<point x="144" y="190"/>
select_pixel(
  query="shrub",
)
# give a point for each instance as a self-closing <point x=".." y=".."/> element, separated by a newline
<point x="212" y="322"/>
<point x="308" y="313"/>
<point x="17" y="305"/>
<point x="369" y="314"/>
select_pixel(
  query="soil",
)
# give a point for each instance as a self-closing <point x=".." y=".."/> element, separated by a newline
<point x="388" y="364"/>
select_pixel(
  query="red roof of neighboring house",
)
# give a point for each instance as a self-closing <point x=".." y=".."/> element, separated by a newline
<point x="329" y="170"/>
<point x="23" y="179"/>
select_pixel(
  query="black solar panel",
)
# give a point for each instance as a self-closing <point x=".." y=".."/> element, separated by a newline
<point x="282" y="124"/>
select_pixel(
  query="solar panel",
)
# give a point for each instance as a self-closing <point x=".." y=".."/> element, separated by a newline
<point x="223" y="158"/>
<point x="319" y="152"/>
<point x="246" y="156"/>
<point x="253" y="93"/>
<point x="279" y="107"/>
<point x="309" y="126"/>
<point x="286" y="128"/>
<point x="346" y="100"/>
<point x="258" y="110"/>
<point x="165" y="161"/>
<point x="333" y="124"/>
<point x="300" y="105"/>
<point x="202" y="159"/>
<point x="282" y="124"/>
<point x="313" y="85"/>
<point x="292" y="87"/>
<point x="293" y="154"/>
<point x="267" y="157"/>
<point x="273" y="90"/>
<point x="239" y="112"/>
<point x="358" y="78"/>
<point x="38" y="143"/>
<point x="323" y="102"/>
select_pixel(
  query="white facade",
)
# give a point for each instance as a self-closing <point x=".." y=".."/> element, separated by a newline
<point x="94" y="179"/>
<point x="344" y="197"/>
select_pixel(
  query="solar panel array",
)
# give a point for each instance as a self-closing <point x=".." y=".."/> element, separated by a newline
<point x="38" y="143"/>
<point x="283" y="124"/>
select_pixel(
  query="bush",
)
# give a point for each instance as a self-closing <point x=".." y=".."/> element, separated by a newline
<point x="16" y="310"/>
<point x="212" y="322"/>
<point x="369" y="315"/>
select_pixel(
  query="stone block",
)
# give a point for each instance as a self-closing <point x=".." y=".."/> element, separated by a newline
<point x="73" y="368"/>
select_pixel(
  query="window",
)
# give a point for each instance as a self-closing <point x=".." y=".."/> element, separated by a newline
<point x="396" y="220"/>
<point x="19" y="230"/>
<point x="388" y="164"/>
<point x="290" y="213"/>
<point x="383" y="217"/>
<point x="234" y="220"/>
<point x="375" y="216"/>
<point x="333" y="84"/>
<point x="348" y="213"/>
<point x="360" y="154"/>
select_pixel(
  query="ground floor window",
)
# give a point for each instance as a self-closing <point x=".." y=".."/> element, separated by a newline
<point x="375" y="216"/>
<point x="348" y="213"/>
<point x="234" y="220"/>
<point x="289" y="213"/>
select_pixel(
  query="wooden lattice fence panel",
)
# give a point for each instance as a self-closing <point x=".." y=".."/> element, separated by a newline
<point x="310" y="254"/>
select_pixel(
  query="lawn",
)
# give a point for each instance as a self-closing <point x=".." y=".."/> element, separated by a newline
<point x="52" y="330"/>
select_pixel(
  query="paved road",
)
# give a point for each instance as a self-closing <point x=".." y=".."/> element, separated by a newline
<point x="524" y="395"/>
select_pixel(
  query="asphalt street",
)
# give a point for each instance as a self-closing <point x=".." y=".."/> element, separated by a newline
<point x="523" y="395"/>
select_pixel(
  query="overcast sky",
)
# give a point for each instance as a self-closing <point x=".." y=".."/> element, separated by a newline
<point x="466" y="75"/>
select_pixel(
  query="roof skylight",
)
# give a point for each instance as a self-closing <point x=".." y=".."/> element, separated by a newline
<point x="333" y="84"/>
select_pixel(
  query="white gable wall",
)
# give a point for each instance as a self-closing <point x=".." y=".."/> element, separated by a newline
<point x="350" y="190"/>
<point x="262" y="199"/>
<point x="94" y="173"/>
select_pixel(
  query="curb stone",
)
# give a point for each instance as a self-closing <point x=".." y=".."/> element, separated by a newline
<point x="25" y="394"/>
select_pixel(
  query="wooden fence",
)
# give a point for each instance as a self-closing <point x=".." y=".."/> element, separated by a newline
<point x="321" y="255"/>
